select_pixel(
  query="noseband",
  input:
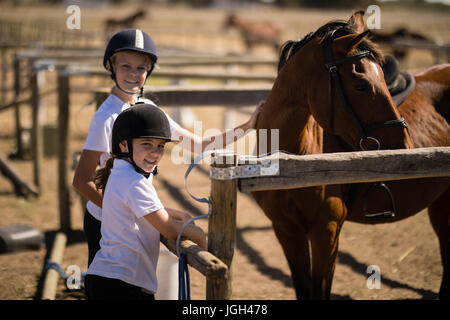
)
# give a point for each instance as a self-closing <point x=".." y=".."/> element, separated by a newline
<point x="331" y="65"/>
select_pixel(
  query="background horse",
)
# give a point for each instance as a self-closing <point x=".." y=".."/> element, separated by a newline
<point x="113" y="25"/>
<point x="330" y="96"/>
<point x="400" y="34"/>
<point x="255" y="33"/>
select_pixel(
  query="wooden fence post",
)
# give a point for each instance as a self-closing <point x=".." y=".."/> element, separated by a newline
<point x="99" y="98"/>
<point x="17" y="88"/>
<point x="222" y="227"/>
<point x="36" y="132"/>
<point x="63" y="144"/>
<point x="4" y="65"/>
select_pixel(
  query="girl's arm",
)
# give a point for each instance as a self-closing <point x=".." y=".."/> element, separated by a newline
<point x="195" y="144"/>
<point x="169" y="227"/>
<point x="83" y="179"/>
<point x="178" y="215"/>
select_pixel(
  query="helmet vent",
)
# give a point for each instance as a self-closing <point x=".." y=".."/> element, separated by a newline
<point x="139" y="42"/>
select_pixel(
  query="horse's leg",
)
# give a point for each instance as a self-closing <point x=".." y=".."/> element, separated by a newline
<point x="324" y="245"/>
<point x="439" y="213"/>
<point x="295" y="245"/>
<point x="291" y="232"/>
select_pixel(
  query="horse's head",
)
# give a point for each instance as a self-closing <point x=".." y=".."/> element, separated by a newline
<point x="230" y="21"/>
<point x="346" y="91"/>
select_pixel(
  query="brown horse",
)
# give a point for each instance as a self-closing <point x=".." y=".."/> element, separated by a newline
<point x="114" y="24"/>
<point x="255" y="33"/>
<point x="330" y="96"/>
<point x="389" y="38"/>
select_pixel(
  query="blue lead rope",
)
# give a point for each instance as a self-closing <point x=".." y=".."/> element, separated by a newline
<point x="184" y="291"/>
<point x="183" y="272"/>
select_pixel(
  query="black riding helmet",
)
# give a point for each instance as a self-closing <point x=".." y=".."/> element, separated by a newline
<point x="130" y="40"/>
<point x="139" y="121"/>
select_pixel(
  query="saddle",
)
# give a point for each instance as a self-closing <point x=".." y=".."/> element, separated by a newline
<point x="400" y="84"/>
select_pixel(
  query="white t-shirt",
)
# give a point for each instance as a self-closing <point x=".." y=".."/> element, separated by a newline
<point x="100" y="133"/>
<point x="129" y="247"/>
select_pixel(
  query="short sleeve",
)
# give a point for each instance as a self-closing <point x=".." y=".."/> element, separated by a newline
<point x="173" y="127"/>
<point x="99" y="135"/>
<point x="173" y="124"/>
<point x="142" y="198"/>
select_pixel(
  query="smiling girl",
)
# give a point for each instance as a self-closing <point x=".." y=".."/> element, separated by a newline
<point x="133" y="216"/>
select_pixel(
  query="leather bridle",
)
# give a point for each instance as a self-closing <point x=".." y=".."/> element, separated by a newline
<point x="331" y="65"/>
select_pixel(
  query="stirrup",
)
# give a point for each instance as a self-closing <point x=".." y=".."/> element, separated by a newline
<point x="383" y="215"/>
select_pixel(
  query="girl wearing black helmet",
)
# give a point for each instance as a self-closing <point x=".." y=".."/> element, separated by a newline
<point x="133" y="216"/>
<point x="130" y="57"/>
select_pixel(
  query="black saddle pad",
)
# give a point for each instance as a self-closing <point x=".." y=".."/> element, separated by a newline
<point x="400" y="84"/>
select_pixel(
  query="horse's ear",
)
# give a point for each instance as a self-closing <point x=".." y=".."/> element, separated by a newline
<point x="357" y="21"/>
<point x="351" y="41"/>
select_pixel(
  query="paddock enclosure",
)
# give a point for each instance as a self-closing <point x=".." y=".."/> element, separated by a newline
<point x="211" y="69"/>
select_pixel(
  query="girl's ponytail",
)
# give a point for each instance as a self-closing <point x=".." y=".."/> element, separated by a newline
<point x="102" y="174"/>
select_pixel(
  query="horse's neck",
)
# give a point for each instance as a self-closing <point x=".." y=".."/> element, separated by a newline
<point x="289" y="117"/>
<point x="287" y="109"/>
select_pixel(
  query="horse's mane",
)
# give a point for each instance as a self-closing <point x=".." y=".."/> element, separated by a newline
<point x="289" y="48"/>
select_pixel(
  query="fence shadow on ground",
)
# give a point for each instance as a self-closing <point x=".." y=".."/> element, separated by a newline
<point x="347" y="259"/>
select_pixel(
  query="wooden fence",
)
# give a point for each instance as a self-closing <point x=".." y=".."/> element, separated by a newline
<point x="293" y="171"/>
<point x="439" y="51"/>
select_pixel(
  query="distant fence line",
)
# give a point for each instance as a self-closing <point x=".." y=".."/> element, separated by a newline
<point x="440" y="52"/>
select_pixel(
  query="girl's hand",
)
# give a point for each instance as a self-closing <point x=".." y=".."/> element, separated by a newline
<point x="201" y="240"/>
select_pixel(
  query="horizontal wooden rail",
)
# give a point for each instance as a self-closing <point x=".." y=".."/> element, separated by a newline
<point x="196" y="95"/>
<point x="224" y="95"/>
<point x="201" y="260"/>
<point x="21" y="187"/>
<point x="22" y="100"/>
<point x="181" y="74"/>
<point x="174" y="61"/>
<point x="351" y="167"/>
<point x="417" y="44"/>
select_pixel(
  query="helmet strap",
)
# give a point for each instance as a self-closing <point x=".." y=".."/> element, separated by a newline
<point x="141" y="93"/>
<point x="129" y="154"/>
